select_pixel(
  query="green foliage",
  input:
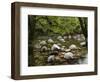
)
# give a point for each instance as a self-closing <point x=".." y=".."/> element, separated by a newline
<point x="48" y="25"/>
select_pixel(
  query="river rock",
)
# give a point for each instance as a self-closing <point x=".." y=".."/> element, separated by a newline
<point x="62" y="40"/>
<point x="82" y="43"/>
<point x="68" y="50"/>
<point x="63" y="48"/>
<point x="80" y="37"/>
<point x="51" y="58"/>
<point x="59" y="37"/>
<point x="50" y="41"/>
<point x="43" y="42"/>
<point x="55" y="47"/>
<point x="69" y="36"/>
<point x="73" y="46"/>
<point x="65" y="37"/>
<point x="68" y="55"/>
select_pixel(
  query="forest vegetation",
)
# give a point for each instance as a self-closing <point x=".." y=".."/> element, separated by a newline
<point x="57" y="40"/>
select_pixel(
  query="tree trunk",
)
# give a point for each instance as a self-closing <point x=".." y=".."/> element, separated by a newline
<point x="31" y="27"/>
<point x="83" y="24"/>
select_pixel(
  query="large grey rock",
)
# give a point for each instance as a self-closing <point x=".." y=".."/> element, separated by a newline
<point x="43" y="42"/>
<point x="51" y="58"/>
<point x="63" y="48"/>
<point x="62" y="40"/>
<point x="68" y="50"/>
<point x="68" y="55"/>
<point x="55" y="47"/>
<point x="73" y="46"/>
<point x="80" y="37"/>
<point x="50" y="40"/>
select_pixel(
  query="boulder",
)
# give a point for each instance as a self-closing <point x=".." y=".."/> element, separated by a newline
<point x="63" y="48"/>
<point x="65" y="37"/>
<point x="69" y="36"/>
<point x="80" y="37"/>
<point x="50" y="41"/>
<point x="59" y="37"/>
<point x="73" y="46"/>
<point x="68" y="50"/>
<point x="62" y="40"/>
<point x="68" y="55"/>
<point x="55" y="47"/>
<point x="82" y="43"/>
<point x="43" y="42"/>
<point x="51" y="58"/>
